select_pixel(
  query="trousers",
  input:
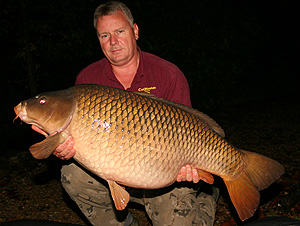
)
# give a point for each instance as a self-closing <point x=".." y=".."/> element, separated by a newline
<point x="175" y="205"/>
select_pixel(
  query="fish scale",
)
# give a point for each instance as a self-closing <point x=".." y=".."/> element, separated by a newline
<point x="139" y="140"/>
<point x="164" y="129"/>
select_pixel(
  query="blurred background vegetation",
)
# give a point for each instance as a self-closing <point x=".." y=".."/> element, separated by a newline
<point x="232" y="52"/>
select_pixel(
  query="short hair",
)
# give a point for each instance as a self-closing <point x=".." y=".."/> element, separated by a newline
<point x="111" y="7"/>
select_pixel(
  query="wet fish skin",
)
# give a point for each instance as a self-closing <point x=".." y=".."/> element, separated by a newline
<point x="144" y="135"/>
<point x="142" y="141"/>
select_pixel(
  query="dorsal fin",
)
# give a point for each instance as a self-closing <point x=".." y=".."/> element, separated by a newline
<point x="204" y="117"/>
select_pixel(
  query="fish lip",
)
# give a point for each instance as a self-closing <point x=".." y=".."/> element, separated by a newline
<point x="21" y="112"/>
<point x="22" y="116"/>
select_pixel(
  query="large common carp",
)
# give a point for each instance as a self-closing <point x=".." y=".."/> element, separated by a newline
<point x="141" y="141"/>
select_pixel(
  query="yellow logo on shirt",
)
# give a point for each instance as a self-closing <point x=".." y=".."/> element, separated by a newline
<point x="146" y="89"/>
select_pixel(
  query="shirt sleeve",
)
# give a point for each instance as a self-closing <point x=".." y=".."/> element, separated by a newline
<point x="79" y="79"/>
<point x="178" y="89"/>
<point x="89" y="74"/>
<point x="86" y="76"/>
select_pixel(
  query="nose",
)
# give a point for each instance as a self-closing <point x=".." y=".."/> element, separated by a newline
<point x="113" y="40"/>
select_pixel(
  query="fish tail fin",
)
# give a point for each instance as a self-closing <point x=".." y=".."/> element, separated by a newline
<point x="259" y="173"/>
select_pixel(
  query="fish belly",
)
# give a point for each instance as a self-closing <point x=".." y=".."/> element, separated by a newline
<point x="130" y="168"/>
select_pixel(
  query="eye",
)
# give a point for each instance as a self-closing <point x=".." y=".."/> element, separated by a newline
<point x="103" y="36"/>
<point x="42" y="100"/>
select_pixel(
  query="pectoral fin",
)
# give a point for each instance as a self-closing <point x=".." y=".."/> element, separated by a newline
<point x="46" y="147"/>
<point x="205" y="176"/>
<point x="119" y="195"/>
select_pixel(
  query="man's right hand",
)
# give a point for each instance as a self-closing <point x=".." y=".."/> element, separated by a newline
<point x="66" y="150"/>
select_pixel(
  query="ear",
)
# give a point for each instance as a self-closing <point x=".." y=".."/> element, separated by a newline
<point x="136" y="31"/>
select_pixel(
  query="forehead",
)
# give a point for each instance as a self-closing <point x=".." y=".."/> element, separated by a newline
<point x="111" y="22"/>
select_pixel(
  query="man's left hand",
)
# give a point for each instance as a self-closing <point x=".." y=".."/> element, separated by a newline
<point x="188" y="173"/>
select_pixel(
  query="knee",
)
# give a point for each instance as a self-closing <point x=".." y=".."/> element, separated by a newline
<point x="70" y="178"/>
<point x="77" y="180"/>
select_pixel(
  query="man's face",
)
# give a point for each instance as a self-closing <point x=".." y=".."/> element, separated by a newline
<point x="117" y="38"/>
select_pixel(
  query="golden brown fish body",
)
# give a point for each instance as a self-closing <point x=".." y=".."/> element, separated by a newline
<point x="142" y="141"/>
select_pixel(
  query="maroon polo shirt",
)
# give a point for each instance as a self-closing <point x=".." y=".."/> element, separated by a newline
<point x="154" y="75"/>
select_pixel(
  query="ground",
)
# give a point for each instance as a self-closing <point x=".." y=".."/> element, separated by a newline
<point x="31" y="189"/>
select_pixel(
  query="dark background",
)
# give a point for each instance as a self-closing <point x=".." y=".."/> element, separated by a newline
<point x="232" y="52"/>
<point x="241" y="59"/>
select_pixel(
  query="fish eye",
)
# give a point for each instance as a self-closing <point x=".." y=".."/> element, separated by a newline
<point x="42" y="100"/>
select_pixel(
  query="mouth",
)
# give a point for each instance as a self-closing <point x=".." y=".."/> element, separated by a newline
<point x="41" y="131"/>
<point x="115" y="50"/>
<point x="20" y="112"/>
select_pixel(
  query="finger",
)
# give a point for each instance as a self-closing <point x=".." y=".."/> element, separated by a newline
<point x="183" y="173"/>
<point x="178" y="179"/>
<point x="70" y="151"/>
<point x="60" y="148"/>
<point x="189" y="175"/>
<point x="70" y="154"/>
<point x="67" y="149"/>
<point x="59" y="155"/>
<point x="196" y="177"/>
<point x="63" y="149"/>
<point x="65" y="146"/>
<point x="70" y="144"/>
<point x="179" y="176"/>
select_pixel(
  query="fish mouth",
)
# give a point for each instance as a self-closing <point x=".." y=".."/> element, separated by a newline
<point x="21" y="112"/>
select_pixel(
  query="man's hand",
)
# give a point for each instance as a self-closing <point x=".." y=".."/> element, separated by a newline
<point x="188" y="174"/>
<point x="64" y="151"/>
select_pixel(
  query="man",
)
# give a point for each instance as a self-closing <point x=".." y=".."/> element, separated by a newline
<point x="125" y="66"/>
